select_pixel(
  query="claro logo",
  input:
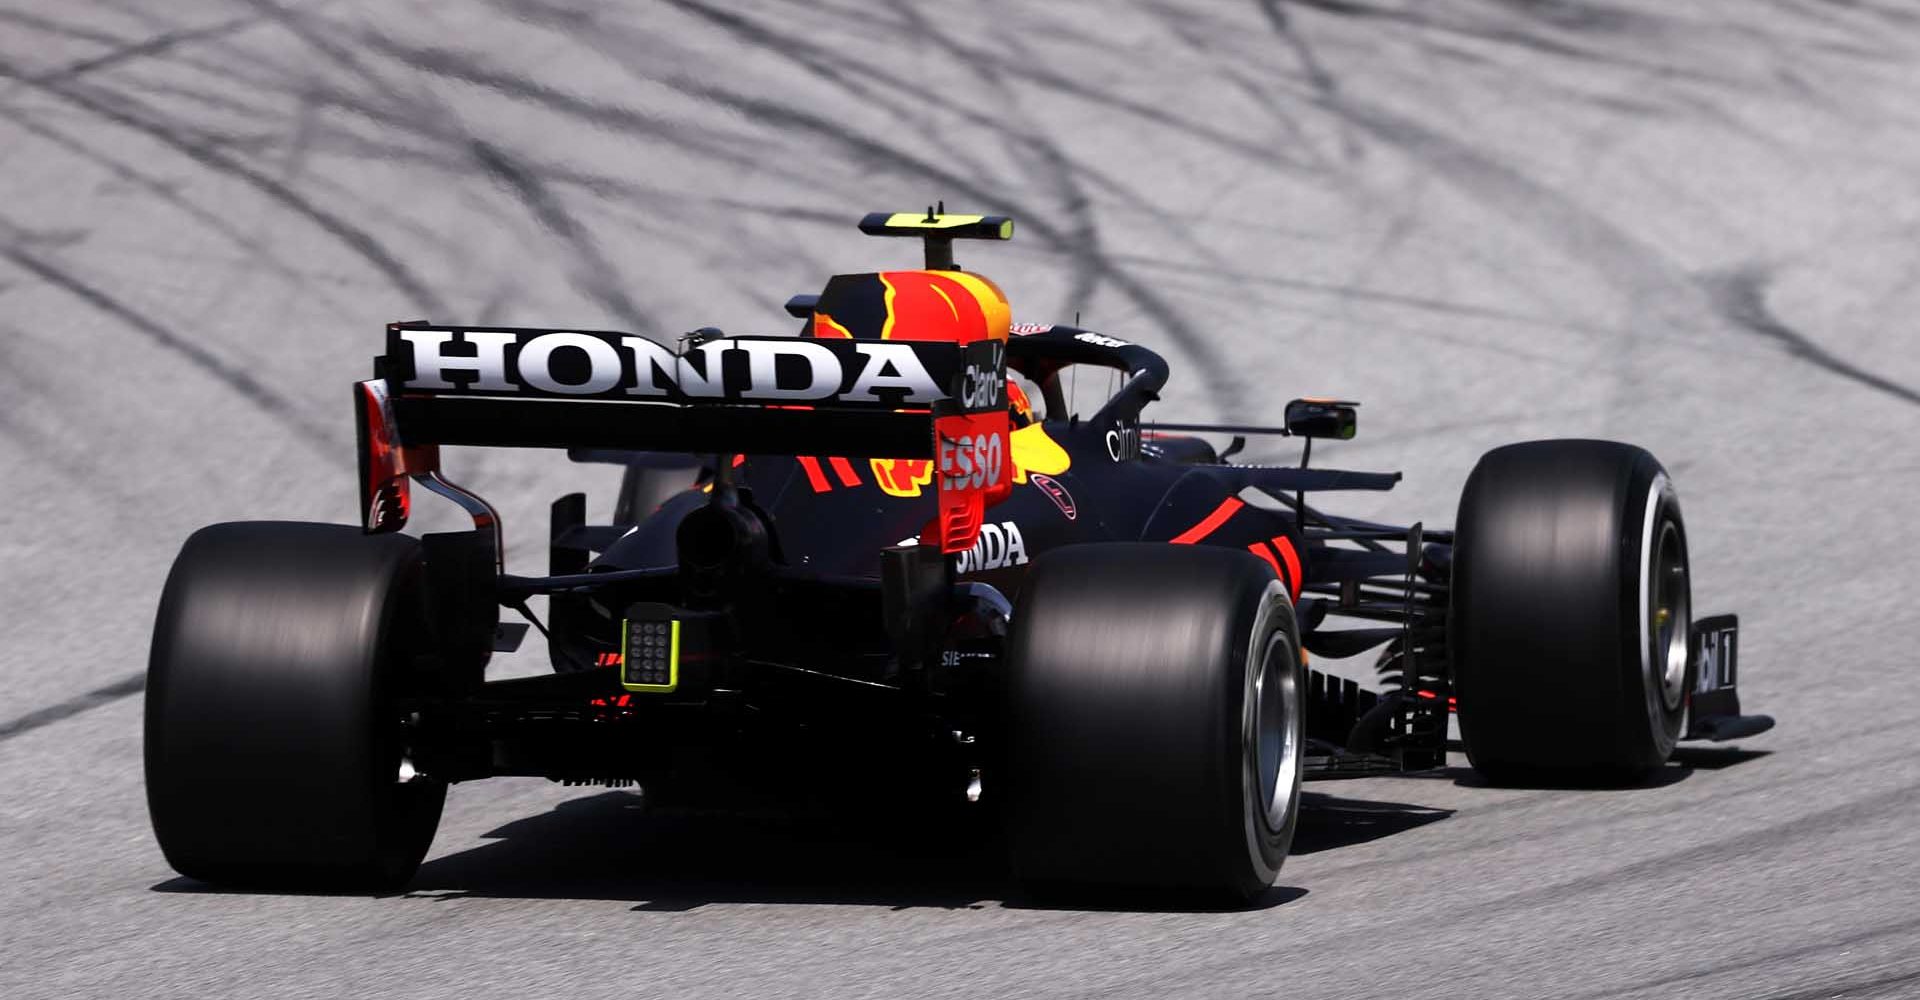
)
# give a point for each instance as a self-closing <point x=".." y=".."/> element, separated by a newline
<point x="774" y="369"/>
<point x="999" y="546"/>
<point x="983" y="382"/>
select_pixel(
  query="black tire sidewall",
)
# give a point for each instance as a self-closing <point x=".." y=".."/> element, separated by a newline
<point x="268" y="768"/>
<point x="1550" y="629"/>
<point x="1129" y="764"/>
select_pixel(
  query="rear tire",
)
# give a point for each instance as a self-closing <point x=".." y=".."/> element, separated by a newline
<point x="1571" y="613"/>
<point x="273" y="752"/>
<point x="1156" y="733"/>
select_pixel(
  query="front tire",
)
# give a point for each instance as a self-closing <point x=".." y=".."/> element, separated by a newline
<point x="273" y="750"/>
<point x="1156" y="732"/>
<point x="1571" y="613"/>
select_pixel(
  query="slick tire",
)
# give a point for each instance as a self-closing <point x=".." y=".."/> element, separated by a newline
<point x="1571" y="615"/>
<point x="1156" y="734"/>
<point x="273" y="749"/>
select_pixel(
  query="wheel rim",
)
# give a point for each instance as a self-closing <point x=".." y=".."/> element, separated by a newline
<point x="1670" y="615"/>
<point x="1276" y="745"/>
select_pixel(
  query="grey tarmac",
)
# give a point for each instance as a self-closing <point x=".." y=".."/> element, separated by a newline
<point x="1692" y="226"/>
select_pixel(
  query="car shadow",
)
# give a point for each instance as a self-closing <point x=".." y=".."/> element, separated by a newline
<point x="1669" y="774"/>
<point x="1330" y="822"/>
<point x="611" y="847"/>
<point x="1681" y="766"/>
<point x="1715" y="758"/>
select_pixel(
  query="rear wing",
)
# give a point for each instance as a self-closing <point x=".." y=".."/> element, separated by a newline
<point x="536" y="388"/>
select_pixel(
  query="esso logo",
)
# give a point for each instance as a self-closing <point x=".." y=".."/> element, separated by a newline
<point x="971" y="461"/>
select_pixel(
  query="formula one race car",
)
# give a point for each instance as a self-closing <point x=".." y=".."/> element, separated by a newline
<point x="910" y="546"/>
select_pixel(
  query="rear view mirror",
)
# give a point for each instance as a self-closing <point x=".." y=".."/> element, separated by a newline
<point x="1323" y="418"/>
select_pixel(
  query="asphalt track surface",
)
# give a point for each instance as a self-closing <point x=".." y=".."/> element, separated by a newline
<point x="1691" y="226"/>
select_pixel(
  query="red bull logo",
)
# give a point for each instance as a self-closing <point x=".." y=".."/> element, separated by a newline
<point x="902" y="477"/>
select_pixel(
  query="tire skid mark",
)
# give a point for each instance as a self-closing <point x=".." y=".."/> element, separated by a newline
<point x="810" y="58"/>
<point x="1032" y="147"/>
<point x="1158" y="309"/>
<point x="1548" y="797"/>
<point x="240" y="381"/>
<point x="371" y="147"/>
<point x="1857" y="989"/>
<point x="824" y="65"/>
<point x="1662" y="866"/>
<point x="155" y="188"/>
<point x="1741" y="295"/>
<point x="1749" y="962"/>
<point x="864" y="149"/>
<point x="450" y="152"/>
<point x="1092" y="263"/>
<point x="818" y="62"/>
<point x="104" y="695"/>
<point x="412" y="114"/>
<point x="1656" y="292"/>
<point x="1418" y="19"/>
<point x="49" y="26"/>
<point x="1637" y="267"/>
<point x="1383" y="297"/>
<point x="1560" y="893"/>
<point x="1085" y="255"/>
<point x="599" y="279"/>
<point x="300" y="26"/>
<point x="1095" y="266"/>
<point x="1650" y="282"/>
<point x="142" y="49"/>
<point x="22" y="384"/>
<point x="68" y="462"/>
<point x="1162" y="313"/>
<point x="596" y="276"/>
<point x="1316" y="72"/>
<point x="617" y="117"/>
<point x="622" y="46"/>
<point x="397" y="273"/>
<point x="983" y="59"/>
<point x="1034" y="144"/>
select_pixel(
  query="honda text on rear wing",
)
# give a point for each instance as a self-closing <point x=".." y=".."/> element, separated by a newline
<point x="533" y="388"/>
